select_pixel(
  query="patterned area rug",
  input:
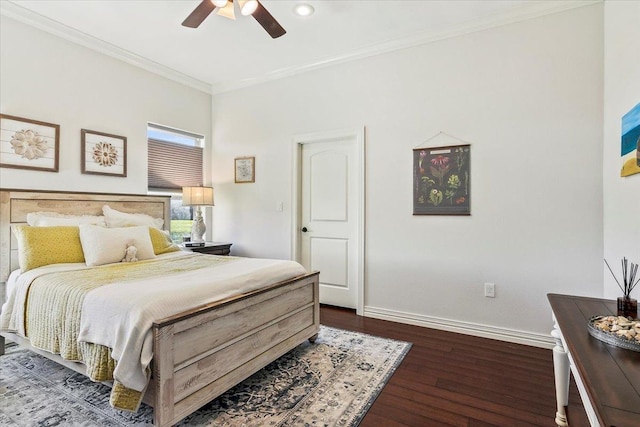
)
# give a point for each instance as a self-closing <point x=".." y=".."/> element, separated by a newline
<point x="330" y="383"/>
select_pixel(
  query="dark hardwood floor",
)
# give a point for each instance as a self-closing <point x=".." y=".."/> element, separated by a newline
<point x="449" y="379"/>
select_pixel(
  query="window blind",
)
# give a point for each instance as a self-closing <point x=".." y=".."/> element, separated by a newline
<point x="173" y="166"/>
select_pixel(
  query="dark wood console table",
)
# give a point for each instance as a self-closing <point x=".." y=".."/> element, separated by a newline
<point x="607" y="377"/>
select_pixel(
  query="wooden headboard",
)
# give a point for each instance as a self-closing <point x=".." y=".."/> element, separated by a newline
<point x="16" y="204"/>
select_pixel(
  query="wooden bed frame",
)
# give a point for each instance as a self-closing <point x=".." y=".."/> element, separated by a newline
<point x="198" y="354"/>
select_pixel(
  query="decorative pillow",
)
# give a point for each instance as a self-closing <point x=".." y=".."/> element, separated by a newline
<point x="50" y="219"/>
<point x="39" y="246"/>
<point x="108" y="245"/>
<point x="161" y="241"/>
<point x="116" y="219"/>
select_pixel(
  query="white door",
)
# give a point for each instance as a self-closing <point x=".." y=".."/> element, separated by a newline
<point x="332" y="215"/>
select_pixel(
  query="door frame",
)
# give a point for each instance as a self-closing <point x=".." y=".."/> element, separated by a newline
<point x="296" y="195"/>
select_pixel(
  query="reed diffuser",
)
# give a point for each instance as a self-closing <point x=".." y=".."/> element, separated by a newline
<point x="627" y="306"/>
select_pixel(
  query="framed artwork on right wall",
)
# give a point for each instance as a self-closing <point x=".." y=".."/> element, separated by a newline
<point x="630" y="142"/>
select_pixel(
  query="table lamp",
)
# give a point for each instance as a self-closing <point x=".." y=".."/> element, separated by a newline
<point x="197" y="196"/>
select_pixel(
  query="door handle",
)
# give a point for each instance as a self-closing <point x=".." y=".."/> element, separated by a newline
<point x="304" y="229"/>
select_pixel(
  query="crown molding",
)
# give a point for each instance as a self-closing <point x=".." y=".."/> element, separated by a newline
<point x="534" y="10"/>
<point x="26" y="16"/>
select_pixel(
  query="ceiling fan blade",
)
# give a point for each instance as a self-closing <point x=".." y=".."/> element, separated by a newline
<point x="199" y="14"/>
<point x="268" y="22"/>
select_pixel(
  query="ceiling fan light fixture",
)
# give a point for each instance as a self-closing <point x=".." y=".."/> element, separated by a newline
<point x="303" y="9"/>
<point x="247" y="7"/>
<point x="220" y="3"/>
<point x="228" y="11"/>
<point x="251" y="7"/>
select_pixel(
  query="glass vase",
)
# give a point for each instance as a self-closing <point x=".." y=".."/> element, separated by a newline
<point x="627" y="307"/>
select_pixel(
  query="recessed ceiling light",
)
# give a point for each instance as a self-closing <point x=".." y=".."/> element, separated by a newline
<point x="303" y="9"/>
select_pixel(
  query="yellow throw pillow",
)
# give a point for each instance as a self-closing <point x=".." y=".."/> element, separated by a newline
<point x="161" y="241"/>
<point x="38" y="246"/>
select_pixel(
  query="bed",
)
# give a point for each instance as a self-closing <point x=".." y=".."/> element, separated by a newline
<point x="195" y="351"/>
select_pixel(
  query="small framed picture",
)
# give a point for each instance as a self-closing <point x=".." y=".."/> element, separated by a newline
<point x="245" y="170"/>
<point x="103" y="153"/>
<point x="29" y="144"/>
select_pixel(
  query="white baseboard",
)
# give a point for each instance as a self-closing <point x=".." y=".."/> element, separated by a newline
<point x="475" y="329"/>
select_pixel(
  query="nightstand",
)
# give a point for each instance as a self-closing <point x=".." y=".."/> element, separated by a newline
<point x="210" y="248"/>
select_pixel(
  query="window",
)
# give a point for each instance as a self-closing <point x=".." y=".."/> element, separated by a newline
<point x="174" y="161"/>
<point x="175" y="158"/>
<point x="181" y="219"/>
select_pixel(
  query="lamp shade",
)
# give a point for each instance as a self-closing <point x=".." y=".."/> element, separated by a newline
<point x="197" y="196"/>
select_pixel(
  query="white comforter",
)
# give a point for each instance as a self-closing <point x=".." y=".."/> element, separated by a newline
<point x="120" y="315"/>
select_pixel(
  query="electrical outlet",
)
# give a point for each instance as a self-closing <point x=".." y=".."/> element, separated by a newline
<point x="490" y="290"/>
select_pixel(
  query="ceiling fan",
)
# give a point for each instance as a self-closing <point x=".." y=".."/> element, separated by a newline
<point x="226" y="9"/>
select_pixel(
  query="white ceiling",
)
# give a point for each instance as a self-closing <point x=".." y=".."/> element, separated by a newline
<point x="222" y="54"/>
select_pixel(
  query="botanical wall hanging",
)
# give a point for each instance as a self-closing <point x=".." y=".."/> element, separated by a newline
<point x="441" y="180"/>
<point x="630" y="142"/>
<point x="103" y="153"/>
<point x="29" y="144"/>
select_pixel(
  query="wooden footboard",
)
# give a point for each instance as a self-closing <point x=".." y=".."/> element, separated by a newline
<point x="201" y="354"/>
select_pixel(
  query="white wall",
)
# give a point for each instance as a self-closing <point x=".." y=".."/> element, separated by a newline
<point x="528" y="97"/>
<point x="621" y="93"/>
<point x="46" y="78"/>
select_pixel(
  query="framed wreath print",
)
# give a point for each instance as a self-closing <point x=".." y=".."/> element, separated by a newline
<point x="245" y="170"/>
<point x="29" y="144"/>
<point x="103" y="153"/>
<point x="441" y="180"/>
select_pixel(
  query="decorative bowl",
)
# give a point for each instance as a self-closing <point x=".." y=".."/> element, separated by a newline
<point x="606" y="329"/>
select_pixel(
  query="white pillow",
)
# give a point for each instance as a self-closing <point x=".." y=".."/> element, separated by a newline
<point x="107" y="245"/>
<point x="53" y="219"/>
<point x="115" y="219"/>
